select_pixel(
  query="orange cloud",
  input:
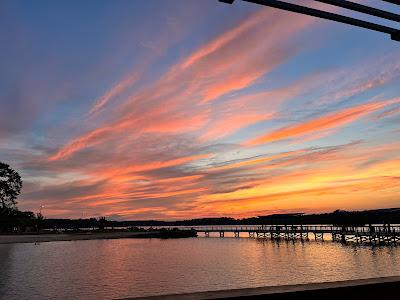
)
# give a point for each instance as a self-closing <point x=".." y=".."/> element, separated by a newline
<point x="178" y="122"/>
<point x="223" y="65"/>
<point x="331" y="186"/>
<point x="229" y="124"/>
<point x="225" y="38"/>
<point x="237" y="66"/>
<point x="254" y="161"/>
<point x="89" y="139"/>
<point x="153" y="165"/>
<point x="113" y="92"/>
<point x="388" y="113"/>
<point x="328" y="121"/>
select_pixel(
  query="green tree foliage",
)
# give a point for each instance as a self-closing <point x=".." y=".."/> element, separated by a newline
<point x="10" y="186"/>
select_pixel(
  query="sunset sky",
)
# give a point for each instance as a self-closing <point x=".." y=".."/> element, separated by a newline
<point x="187" y="109"/>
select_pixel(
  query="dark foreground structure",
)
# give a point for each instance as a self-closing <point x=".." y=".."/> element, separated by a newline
<point x="349" y="5"/>
<point x="362" y="289"/>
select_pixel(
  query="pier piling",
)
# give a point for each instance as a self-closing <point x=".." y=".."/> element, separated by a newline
<point x="373" y="235"/>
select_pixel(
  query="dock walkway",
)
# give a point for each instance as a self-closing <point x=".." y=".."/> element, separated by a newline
<point x="377" y="234"/>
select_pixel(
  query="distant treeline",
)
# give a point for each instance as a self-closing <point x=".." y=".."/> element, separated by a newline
<point x="338" y="217"/>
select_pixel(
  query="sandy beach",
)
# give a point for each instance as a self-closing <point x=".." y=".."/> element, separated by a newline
<point x="54" y="237"/>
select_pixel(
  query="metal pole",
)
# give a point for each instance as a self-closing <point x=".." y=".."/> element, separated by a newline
<point x="324" y="15"/>
<point x="395" y="33"/>
<point x="397" y="2"/>
<point x="363" y="9"/>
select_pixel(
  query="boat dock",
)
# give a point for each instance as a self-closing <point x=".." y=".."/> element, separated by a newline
<point x="376" y="235"/>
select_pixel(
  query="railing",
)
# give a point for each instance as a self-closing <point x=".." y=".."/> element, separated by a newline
<point x="293" y="228"/>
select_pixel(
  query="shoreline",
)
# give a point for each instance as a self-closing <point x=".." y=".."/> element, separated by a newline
<point x="60" y="237"/>
<point x="370" y="288"/>
<point x="90" y="235"/>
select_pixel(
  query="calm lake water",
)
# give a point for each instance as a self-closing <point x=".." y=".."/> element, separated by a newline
<point x="105" y="269"/>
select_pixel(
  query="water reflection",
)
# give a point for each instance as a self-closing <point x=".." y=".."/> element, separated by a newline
<point x="5" y="267"/>
<point x="133" y="267"/>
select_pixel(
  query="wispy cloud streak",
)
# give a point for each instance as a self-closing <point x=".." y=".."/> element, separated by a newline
<point x="329" y="121"/>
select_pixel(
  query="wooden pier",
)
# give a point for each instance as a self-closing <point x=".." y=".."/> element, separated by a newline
<point x="374" y="235"/>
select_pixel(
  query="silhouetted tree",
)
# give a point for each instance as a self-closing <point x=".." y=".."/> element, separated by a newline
<point x="102" y="223"/>
<point x="39" y="221"/>
<point x="10" y="186"/>
<point x="13" y="219"/>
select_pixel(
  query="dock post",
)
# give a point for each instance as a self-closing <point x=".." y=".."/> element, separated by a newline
<point x="343" y="238"/>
